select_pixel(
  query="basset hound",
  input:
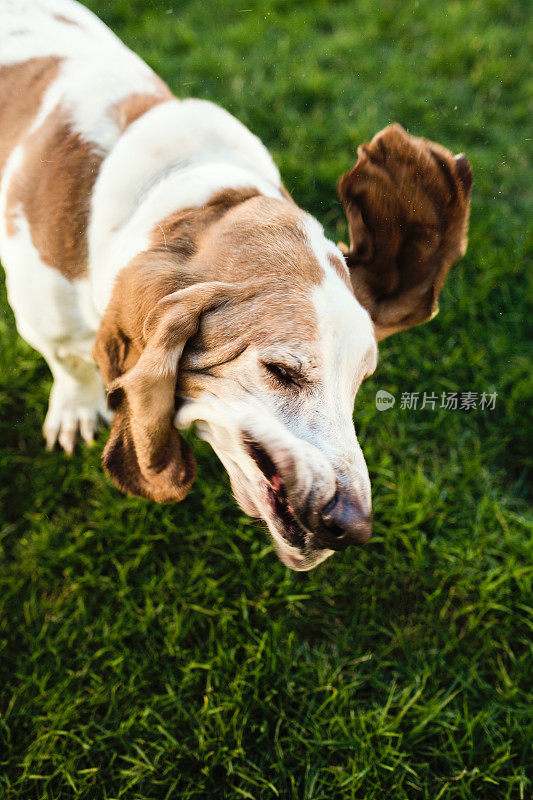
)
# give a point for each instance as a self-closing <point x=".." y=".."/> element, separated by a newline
<point x="153" y="253"/>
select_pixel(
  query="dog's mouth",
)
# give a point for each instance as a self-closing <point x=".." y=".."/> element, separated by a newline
<point x="282" y="514"/>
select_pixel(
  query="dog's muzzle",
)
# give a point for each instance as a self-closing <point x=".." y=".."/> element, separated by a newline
<point x="334" y="525"/>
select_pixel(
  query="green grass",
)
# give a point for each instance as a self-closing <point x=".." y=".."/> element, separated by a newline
<point x="164" y="652"/>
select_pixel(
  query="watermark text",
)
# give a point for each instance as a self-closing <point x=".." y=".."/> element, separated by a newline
<point x="450" y="401"/>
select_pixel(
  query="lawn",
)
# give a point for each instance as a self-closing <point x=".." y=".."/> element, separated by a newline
<point x="151" y="652"/>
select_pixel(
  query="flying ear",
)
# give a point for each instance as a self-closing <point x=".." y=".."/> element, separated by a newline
<point x="145" y="455"/>
<point x="407" y="202"/>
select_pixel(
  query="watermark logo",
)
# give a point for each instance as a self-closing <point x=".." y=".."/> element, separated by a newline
<point x="449" y="401"/>
<point x="384" y="400"/>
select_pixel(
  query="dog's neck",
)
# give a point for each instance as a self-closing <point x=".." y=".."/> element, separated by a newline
<point x="191" y="150"/>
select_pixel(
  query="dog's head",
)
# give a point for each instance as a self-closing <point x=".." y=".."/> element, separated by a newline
<point x="245" y="320"/>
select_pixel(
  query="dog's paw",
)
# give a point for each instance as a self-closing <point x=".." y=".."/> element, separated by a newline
<point x="71" y="417"/>
<point x="72" y="424"/>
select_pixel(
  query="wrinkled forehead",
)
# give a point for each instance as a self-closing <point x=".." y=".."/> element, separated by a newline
<point x="304" y="305"/>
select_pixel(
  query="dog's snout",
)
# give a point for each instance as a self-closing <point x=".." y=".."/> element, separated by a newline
<point x="344" y="522"/>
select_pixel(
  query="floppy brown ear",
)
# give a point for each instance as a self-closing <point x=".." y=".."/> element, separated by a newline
<point x="407" y="201"/>
<point x="145" y="455"/>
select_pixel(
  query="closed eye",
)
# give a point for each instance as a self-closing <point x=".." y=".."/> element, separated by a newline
<point x="284" y="375"/>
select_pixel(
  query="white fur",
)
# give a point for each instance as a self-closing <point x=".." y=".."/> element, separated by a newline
<point x="349" y="352"/>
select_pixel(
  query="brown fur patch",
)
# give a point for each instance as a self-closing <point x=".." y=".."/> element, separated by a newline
<point x="261" y="244"/>
<point x="21" y="90"/>
<point x="241" y="236"/>
<point x="53" y="189"/>
<point x="261" y="238"/>
<point x="139" y="287"/>
<point x="134" y="106"/>
<point x="180" y="233"/>
<point x="407" y="201"/>
<point x="144" y="454"/>
<point x="238" y="237"/>
<point x="258" y="235"/>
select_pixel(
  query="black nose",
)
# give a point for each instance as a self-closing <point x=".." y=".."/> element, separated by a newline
<point x="343" y="523"/>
